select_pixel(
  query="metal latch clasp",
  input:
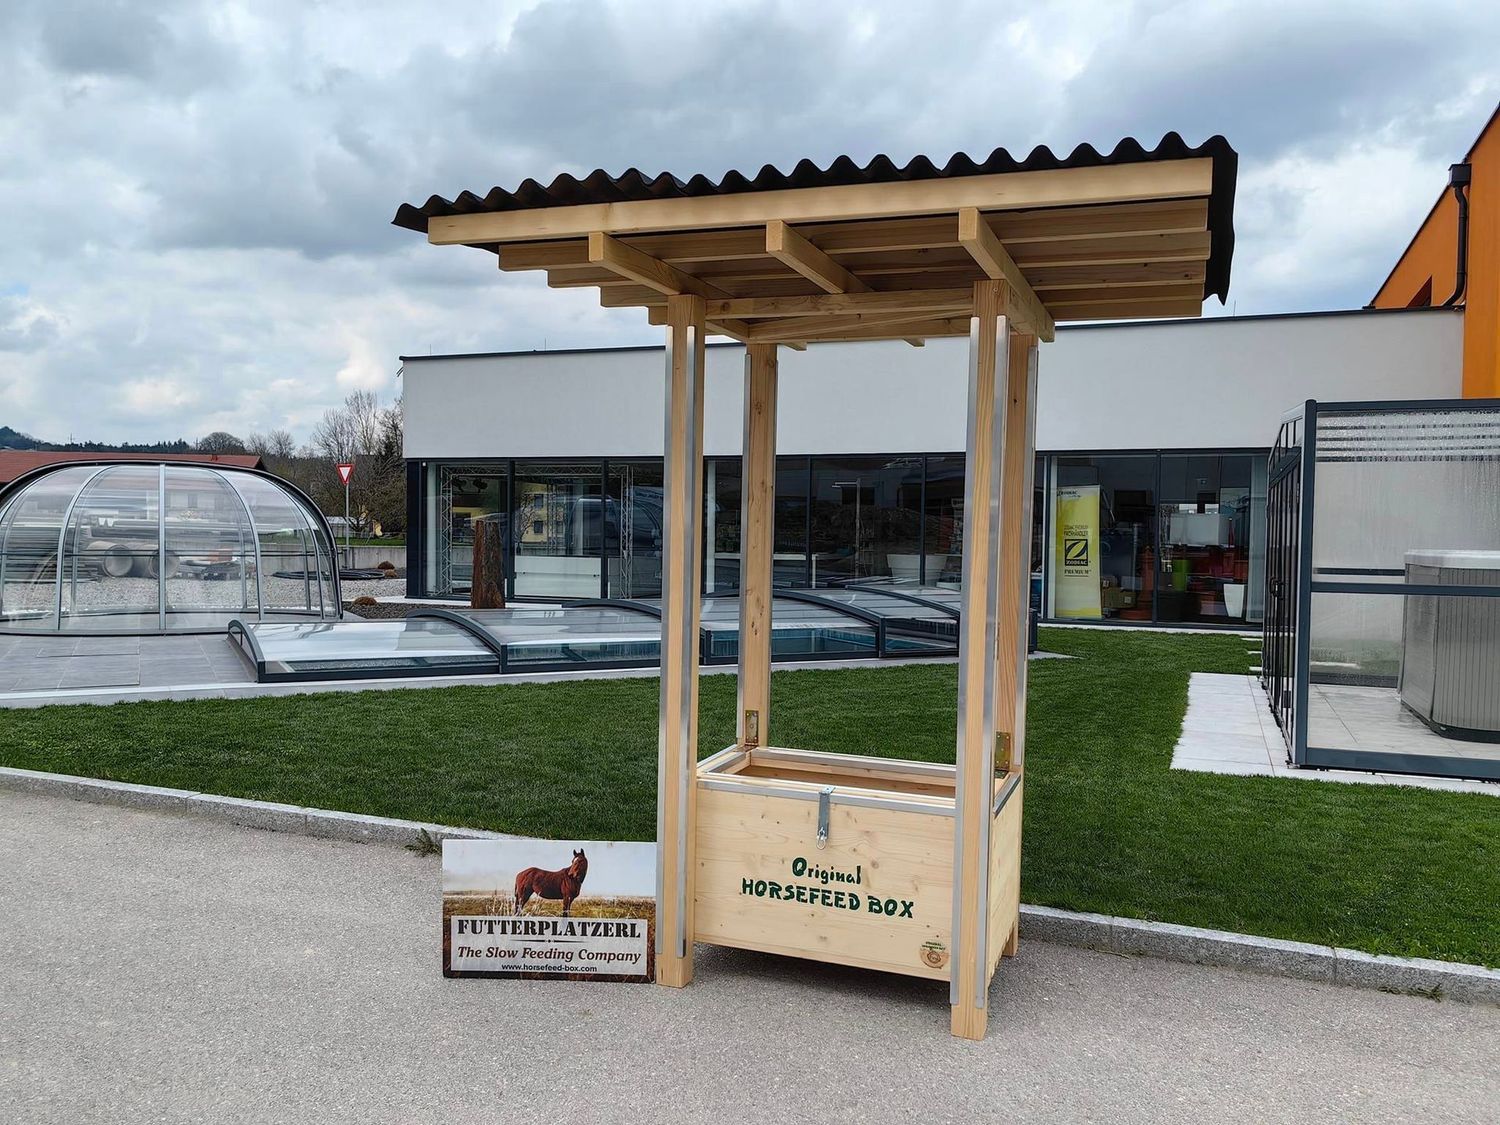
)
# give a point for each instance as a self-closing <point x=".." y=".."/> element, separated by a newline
<point x="825" y="803"/>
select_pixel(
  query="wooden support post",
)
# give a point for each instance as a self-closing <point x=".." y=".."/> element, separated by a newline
<point x="988" y="347"/>
<point x="1015" y="547"/>
<point x="681" y="569"/>
<point x="1012" y="623"/>
<point x="757" y="518"/>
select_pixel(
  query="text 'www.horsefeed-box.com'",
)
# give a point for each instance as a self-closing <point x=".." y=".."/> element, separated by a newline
<point x="516" y="944"/>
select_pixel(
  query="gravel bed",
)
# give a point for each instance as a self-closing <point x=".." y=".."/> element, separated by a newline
<point x="184" y="594"/>
<point x="393" y="611"/>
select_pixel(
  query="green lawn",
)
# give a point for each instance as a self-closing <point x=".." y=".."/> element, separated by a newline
<point x="1109" y="827"/>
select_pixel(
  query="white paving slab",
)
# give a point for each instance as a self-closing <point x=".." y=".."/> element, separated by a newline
<point x="1228" y="729"/>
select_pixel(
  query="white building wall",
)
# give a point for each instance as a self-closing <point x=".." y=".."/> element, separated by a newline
<point x="1213" y="384"/>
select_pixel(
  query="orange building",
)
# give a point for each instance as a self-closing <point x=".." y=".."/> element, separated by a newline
<point x="1454" y="259"/>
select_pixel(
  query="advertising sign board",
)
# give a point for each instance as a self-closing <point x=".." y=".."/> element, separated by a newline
<point x="575" y="909"/>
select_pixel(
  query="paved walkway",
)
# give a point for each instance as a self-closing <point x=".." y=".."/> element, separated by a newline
<point x="1229" y="729"/>
<point x="165" y="968"/>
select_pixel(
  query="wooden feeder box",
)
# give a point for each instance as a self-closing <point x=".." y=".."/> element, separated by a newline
<point x="883" y="863"/>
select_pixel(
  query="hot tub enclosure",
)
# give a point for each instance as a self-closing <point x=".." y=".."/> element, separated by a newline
<point x="1383" y="586"/>
<point x="140" y="547"/>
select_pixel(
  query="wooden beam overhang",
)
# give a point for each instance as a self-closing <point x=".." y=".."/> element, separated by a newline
<point x="984" y="245"/>
<point x="668" y="280"/>
<point x="631" y="264"/>
<point x="801" y="256"/>
<point x="1063" y="187"/>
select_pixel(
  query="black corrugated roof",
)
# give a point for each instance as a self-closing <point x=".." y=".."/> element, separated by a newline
<point x="601" y="187"/>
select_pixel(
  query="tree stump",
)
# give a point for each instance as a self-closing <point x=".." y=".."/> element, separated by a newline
<point x="487" y="590"/>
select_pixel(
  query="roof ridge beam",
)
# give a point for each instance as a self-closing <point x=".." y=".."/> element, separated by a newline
<point x="977" y="237"/>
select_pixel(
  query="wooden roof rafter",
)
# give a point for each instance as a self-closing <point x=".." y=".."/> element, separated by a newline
<point x="1134" y="234"/>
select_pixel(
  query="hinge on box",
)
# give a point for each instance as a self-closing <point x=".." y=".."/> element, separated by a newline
<point x="752" y="729"/>
<point x="1002" y="751"/>
<point x="825" y="804"/>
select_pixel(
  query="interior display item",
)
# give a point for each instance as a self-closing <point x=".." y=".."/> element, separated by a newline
<point x="1200" y="529"/>
<point x="1234" y="599"/>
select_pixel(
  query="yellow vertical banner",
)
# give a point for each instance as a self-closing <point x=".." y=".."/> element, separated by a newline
<point x="1075" y="554"/>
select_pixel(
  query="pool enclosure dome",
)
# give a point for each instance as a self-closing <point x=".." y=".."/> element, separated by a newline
<point x="134" y="547"/>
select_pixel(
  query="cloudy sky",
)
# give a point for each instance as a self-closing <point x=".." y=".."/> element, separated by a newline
<point x="197" y="196"/>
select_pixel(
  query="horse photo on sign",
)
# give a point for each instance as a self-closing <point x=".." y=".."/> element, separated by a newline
<point x="511" y="908"/>
<point x="563" y="885"/>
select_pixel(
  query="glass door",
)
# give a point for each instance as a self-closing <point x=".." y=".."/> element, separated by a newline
<point x="557" y="530"/>
<point x="466" y="494"/>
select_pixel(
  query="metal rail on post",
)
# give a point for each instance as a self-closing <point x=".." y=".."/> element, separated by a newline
<point x="989" y="346"/>
<point x="1302" y="661"/>
<point x="677" y="748"/>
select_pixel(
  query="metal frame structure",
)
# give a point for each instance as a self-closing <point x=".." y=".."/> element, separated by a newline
<point x="225" y="475"/>
<point x="242" y="632"/>
<point x="1292" y="580"/>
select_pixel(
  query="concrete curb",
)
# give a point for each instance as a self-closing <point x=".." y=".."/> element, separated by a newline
<point x="1450" y="980"/>
<point x="323" y="823"/>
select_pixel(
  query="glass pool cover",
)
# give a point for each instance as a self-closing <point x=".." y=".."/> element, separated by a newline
<point x="825" y="624"/>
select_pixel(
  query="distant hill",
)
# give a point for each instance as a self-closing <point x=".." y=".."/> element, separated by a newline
<point x="15" y="439"/>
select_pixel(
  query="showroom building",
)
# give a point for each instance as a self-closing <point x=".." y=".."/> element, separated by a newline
<point x="1154" y="435"/>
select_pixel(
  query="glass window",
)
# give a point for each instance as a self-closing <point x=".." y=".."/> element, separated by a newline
<point x="721" y="530"/>
<point x="942" y="554"/>
<point x="866" y="518"/>
<point x="114" y="531"/>
<point x="634" y="528"/>
<point x="210" y="547"/>
<point x="792" y="565"/>
<point x="721" y="524"/>
<point x="558" y="529"/>
<point x="1103" y="562"/>
<point x="465" y="493"/>
<point x="1204" y="532"/>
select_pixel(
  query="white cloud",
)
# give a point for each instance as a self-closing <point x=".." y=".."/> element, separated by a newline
<point x="156" y="397"/>
<point x="25" y="325"/>
<point x="200" y="194"/>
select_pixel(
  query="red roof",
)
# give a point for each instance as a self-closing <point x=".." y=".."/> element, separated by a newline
<point x="17" y="462"/>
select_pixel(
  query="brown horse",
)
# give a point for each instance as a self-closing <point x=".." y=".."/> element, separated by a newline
<point x="564" y="884"/>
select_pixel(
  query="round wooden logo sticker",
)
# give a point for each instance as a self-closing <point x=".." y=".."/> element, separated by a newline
<point x="934" y="954"/>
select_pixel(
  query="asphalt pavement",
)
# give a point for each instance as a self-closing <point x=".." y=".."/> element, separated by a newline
<point x="161" y="967"/>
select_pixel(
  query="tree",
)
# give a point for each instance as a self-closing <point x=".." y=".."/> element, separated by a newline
<point x="220" y="442"/>
<point x="369" y="435"/>
<point x="273" y="448"/>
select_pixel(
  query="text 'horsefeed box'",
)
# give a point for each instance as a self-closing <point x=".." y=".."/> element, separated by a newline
<point x="576" y="909"/>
